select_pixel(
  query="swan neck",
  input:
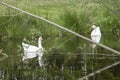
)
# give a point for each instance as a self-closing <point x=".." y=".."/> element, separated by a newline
<point x="40" y="44"/>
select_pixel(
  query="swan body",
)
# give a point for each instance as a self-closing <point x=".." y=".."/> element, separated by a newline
<point x="31" y="51"/>
<point x="96" y="35"/>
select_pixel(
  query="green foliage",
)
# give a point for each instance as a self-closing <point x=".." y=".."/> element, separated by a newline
<point x="2" y="55"/>
<point x="79" y="19"/>
<point x="111" y="5"/>
<point x="76" y="21"/>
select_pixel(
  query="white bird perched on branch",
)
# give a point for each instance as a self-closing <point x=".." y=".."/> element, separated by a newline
<point x="95" y="35"/>
<point x="31" y="51"/>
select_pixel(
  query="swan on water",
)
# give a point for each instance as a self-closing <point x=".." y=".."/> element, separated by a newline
<point x="31" y="51"/>
<point x="95" y="35"/>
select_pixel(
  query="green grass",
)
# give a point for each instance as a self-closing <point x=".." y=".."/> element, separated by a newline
<point x="18" y="25"/>
<point x="76" y="15"/>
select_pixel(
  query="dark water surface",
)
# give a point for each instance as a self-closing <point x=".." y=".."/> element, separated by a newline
<point x="71" y="64"/>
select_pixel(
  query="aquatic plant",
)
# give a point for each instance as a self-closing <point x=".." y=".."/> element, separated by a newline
<point x="2" y="55"/>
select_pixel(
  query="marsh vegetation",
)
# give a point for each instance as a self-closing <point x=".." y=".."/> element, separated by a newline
<point x="63" y="58"/>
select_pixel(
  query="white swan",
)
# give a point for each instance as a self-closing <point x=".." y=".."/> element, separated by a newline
<point x="31" y="51"/>
<point x="95" y="35"/>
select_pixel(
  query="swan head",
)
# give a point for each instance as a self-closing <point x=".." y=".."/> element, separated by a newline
<point x="93" y="26"/>
<point x="40" y="38"/>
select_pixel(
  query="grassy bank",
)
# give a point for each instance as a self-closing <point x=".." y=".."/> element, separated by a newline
<point x="73" y="14"/>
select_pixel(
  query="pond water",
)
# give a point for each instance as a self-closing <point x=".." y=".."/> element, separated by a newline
<point x="60" y="63"/>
